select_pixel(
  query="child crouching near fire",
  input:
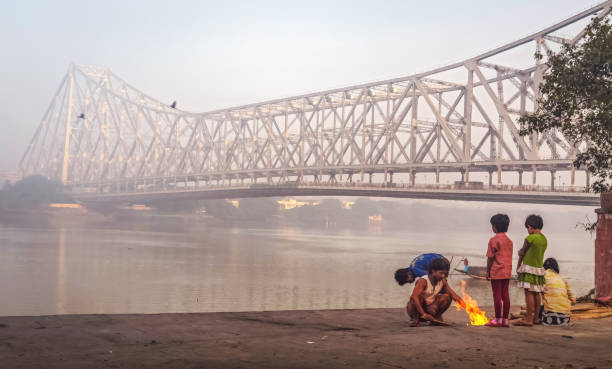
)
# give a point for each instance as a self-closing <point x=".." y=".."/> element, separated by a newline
<point x="432" y="295"/>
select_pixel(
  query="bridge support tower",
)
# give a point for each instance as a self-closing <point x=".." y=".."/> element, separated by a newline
<point x="552" y="179"/>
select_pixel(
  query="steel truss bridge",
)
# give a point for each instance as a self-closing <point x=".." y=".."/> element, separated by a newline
<point x="106" y="140"/>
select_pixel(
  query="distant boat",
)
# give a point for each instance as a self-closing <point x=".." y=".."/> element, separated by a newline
<point x="477" y="272"/>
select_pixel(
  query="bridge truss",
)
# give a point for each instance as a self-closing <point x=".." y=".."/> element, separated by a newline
<point x="102" y="135"/>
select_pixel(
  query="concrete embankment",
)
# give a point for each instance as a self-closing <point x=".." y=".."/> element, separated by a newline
<point x="375" y="338"/>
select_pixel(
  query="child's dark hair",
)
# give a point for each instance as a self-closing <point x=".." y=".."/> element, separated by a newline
<point x="551" y="263"/>
<point x="438" y="264"/>
<point x="401" y="276"/>
<point x="535" y="221"/>
<point x="500" y="222"/>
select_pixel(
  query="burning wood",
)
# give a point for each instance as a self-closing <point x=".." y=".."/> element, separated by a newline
<point x="477" y="316"/>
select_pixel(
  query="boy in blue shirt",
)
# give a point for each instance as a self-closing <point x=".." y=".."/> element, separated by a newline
<point x="418" y="268"/>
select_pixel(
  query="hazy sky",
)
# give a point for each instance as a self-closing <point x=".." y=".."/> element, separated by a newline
<point x="214" y="54"/>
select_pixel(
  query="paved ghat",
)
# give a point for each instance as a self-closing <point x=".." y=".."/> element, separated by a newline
<point x="376" y="338"/>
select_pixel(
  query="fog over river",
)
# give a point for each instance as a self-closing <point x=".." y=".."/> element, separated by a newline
<point x="154" y="264"/>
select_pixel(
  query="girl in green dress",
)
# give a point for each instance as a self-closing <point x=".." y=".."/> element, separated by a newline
<point x="531" y="270"/>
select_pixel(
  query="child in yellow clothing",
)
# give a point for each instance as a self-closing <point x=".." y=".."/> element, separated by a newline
<point x="558" y="297"/>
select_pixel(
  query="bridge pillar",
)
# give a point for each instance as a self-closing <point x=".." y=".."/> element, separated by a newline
<point x="438" y="175"/>
<point x="520" y="174"/>
<point x="467" y="174"/>
<point x="462" y="175"/>
<point x="534" y="175"/>
<point x="499" y="176"/>
<point x="391" y="177"/>
<point x="370" y="178"/>
<point x="412" y="177"/>
<point x="573" y="176"/>
<point x="588" y="179"/>
<point x="490" y="178"/>
<point x="552" y="179"/>
<point x="603" y="247"/>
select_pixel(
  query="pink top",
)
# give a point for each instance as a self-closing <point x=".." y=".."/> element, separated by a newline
<point x="500" y="249"/>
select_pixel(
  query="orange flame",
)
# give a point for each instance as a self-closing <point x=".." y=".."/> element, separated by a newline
<point x="477" y="316"/>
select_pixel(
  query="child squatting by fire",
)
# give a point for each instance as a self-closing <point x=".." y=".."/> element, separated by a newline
<point x="432" y="295"/>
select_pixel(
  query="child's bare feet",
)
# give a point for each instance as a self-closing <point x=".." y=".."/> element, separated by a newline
<point x="523" y="323"/>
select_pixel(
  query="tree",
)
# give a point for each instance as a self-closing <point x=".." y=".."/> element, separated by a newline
<point x="32" y="192"/>
<point x="577" y="100"/>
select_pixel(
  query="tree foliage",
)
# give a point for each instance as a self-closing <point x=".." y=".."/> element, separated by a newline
<point x="31" y="192"/>
<point x="577" y="100"/>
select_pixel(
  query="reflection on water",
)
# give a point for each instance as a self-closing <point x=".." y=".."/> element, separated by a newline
<point x="149" y="267"/>
<point x="60" y="300"/>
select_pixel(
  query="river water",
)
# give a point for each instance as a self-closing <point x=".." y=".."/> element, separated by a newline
<point x="158" y="266"/>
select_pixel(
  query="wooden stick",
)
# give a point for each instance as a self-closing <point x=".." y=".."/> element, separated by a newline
<point x="439" y="322"/>
<point x="591" y="315"/>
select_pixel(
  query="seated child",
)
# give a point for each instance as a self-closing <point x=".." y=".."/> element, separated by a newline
<point x="558" y="297"/>
<point x="432" y="295"/>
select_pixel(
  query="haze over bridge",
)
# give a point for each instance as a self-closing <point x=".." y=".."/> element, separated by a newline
<point x="403" y="137"/>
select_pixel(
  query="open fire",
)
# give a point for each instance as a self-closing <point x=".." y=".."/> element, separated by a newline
<point x="477" y="316"/>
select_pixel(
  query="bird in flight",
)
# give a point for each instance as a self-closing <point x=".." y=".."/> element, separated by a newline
<point x="173" y="105"/>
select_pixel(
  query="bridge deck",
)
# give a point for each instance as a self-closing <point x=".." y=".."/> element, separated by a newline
<point x="261" y="190"/>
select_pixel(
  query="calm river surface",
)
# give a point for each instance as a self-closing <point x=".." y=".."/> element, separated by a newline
<point x="150" y="266"/>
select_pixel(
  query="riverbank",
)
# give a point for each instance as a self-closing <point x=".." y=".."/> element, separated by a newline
<point x="371" y="338"/>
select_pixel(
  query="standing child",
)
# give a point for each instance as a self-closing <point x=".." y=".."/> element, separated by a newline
<point x="531" y="270"/>
<point x="499" y="269"/>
